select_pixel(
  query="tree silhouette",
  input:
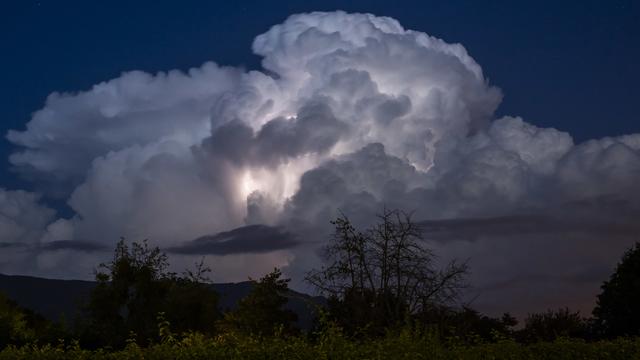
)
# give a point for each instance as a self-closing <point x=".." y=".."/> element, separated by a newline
<point x="19" y="326"/>
<point x="13" y="324"/>
<point x="191" y="303"/>
<point x="466" y="323"/>
<point x="617" y="312"/>
<point x="262" y="311"/>
<point x="134" y="288"/>
<point x="553" y="324"/>
<point x="380" y="276"/>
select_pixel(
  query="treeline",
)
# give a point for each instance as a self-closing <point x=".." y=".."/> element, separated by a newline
<point x="382" y="284"/>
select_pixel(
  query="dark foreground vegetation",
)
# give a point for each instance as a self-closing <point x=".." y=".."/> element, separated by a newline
<point x="332" y="344"/>
<point x="387" y="298"/>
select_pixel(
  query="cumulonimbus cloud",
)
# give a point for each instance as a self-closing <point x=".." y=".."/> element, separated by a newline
<point x="351" y="112"/>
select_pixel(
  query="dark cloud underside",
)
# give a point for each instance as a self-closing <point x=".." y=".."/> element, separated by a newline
<point x="247" y="239"/>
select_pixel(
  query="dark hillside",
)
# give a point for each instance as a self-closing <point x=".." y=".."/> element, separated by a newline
<point x="54" y="298"/>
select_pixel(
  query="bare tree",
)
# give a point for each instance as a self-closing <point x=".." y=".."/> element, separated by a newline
<point x="386" y="267"/>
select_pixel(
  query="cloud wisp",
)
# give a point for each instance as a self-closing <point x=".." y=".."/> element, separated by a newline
<point x="351" y="112"/>
<point x="249" y="239"/>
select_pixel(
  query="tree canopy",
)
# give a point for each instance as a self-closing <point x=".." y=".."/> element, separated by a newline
<point x="553" y="324"/>
<point x="20" y="326"/>
<point x="617" y="312"/>
<point x="262" y="312"/>
<point x="383" y="274"/>
<point x="135" y="287"/>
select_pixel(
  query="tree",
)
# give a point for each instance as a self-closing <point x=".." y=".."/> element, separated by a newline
<point x="384" y="274"/>
<point x="466" y="323"/>
<point x="617" y="312"/>
<point x="553" y="324"/>
<point x="192" y="304"/>
<point x="19" y="326"/>
<point x="134" y="288"/>
<point x="262" y="312"/>
<point x="13" y="324"/>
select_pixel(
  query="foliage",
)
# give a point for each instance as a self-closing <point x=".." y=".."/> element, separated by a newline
<point x="617" y="312"/>
<point x="134" y="288"/>
<point x="262" y="311"/>
<point x="554" y="324"/>
<point x="333" y="344"/>
<point x="21" y="326"/>
<point x="378" y="277"/>
<point x="191" y="303"/>
<point x="466" y="325"/>
<point x="13" y="325"/>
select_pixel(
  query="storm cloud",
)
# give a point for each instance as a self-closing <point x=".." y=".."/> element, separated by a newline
<point x="350" y="113"/>
<point x="246" y="239"/>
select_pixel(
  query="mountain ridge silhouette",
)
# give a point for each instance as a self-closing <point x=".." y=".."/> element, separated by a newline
<point x="57" y="299"/>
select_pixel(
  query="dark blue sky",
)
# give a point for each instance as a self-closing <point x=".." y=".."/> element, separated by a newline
<point x="572" y="65"/>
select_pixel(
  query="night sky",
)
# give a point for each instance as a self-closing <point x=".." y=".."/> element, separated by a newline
<point x="571" y="66"/>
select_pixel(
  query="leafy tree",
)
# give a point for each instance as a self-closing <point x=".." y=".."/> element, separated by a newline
<point x="553" y="324"/>
<point x="13" y="325"/>
<point x="134" y="288"/>
<point x="617" y="312"/>
<point x="466" y="324"/>
<point x="191" y="303"/>
<point x="19" y="326"/>
<point x="262" y="312"/>
<point x="380" y="276"/>
<point x="128" y="295"/>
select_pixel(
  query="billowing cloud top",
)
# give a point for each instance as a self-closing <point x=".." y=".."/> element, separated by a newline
<point x="351" y="112"/>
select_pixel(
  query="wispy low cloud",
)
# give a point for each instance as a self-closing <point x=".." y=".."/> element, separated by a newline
<point x="74" y="245"/>
<point x="588" y="275"/>
<point x="243" y="240"/>
<point x="9" y="245"/>
<point x="472" y="229"/>
<point x="77" y="245"/>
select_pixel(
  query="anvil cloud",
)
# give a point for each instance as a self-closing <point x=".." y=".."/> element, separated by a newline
<point x="351" y="112"/>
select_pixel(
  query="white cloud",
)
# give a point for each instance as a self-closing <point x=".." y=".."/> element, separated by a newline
<point x="22" y="217"/>
<point x="351" y="112"/>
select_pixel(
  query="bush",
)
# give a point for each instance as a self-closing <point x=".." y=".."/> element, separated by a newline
<point x="331" y="343"/>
